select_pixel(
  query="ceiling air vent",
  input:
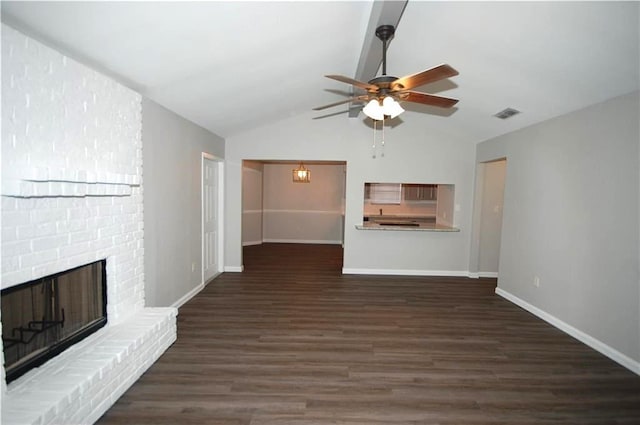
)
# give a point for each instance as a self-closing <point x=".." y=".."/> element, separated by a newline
<point x="507" y="113"/>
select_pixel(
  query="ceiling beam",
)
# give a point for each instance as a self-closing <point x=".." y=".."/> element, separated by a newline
<point x="384" y="12"/>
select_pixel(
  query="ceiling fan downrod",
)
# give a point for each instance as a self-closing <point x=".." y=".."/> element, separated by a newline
<point x="385" y="33"/>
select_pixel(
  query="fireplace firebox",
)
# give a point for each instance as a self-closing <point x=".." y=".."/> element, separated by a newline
<point x="43" y="317"/>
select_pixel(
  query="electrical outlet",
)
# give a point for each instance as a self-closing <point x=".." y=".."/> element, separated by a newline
<point x="536" y="281"/>
<point x="193" y="267"/>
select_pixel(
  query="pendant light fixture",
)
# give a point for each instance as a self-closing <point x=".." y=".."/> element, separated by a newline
<point x="301" y="174"/>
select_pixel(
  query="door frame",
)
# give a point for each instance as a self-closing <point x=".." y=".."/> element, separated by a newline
<point x="220" y="207"/>
<point x="476" y="234"/>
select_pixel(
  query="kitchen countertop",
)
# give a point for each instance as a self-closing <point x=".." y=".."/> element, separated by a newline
<point x="400" y="216"/>
<point x="420" y="227"/>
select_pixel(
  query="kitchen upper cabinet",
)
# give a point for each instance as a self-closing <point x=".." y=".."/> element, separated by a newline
<point x="420" y="192"/>
<point x="383" y="193"/>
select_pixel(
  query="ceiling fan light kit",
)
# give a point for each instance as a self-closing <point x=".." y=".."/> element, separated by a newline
<point x="373" y="110"/>
<point x="389" y="108"/>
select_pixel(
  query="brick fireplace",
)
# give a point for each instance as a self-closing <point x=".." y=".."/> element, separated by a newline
<point x="71" y="195"/>
<point x="44" y="317"/>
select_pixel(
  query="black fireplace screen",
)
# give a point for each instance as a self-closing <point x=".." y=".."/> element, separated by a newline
<point x="43" y="317"/>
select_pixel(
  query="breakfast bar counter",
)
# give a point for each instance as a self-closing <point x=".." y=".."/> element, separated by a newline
<point x="407" y="227"/>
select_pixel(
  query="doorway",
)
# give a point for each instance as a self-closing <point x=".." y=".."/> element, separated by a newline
<point x="489" y="203"/>
<point x="212" y="216"/>
<point x="277" y="208"/>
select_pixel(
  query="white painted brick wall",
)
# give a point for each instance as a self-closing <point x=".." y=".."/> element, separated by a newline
<point x="68" y="129"/>
<point x="72" y="194"/>
<point x="63" y="122"/>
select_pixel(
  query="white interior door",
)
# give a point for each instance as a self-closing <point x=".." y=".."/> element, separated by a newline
<point x="210" y="218"/>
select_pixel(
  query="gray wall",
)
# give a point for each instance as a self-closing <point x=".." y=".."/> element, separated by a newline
<point x="414" y="152"/>
<point x="172" y="156"/>
<point x="571" y="213"/>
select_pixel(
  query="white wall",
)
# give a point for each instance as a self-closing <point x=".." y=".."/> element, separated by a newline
<point x="172" y="155"/>
<point x="413" y="153"/>
<point x="571" y="214"/>
<point x="303" y="212"/>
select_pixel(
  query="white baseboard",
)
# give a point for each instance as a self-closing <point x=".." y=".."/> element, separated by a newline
<point x="308" y="241"/>
<point x="477" y="275"/>
<point x="592" y="342"/>
<point x="188" y="296"/>
<point x="413" y="272"/>
<point x="234" y="269"/>
<point x="250" y="243"/>
<point x="406" y="272"/>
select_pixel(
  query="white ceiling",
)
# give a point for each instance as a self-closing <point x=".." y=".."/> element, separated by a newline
<point x="234" y="66"/>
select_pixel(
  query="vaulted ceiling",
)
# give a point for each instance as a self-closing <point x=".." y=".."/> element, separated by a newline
<point x="234" y="66"/>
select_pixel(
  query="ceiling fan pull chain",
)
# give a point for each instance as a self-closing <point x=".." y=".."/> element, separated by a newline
<point x="382" y="144"/>
<point x="374" y="140"/>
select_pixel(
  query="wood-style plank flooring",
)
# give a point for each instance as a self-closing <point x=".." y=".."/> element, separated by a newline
<point x="292" y="341"/>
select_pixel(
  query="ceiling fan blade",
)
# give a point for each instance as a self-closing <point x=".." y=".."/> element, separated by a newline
<point x="360" y="84"/>
<point x="353" y="99"/>
<point x="427" y="99"/>
<point x="421" y="78"/>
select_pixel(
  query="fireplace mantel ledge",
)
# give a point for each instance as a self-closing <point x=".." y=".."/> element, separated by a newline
<point x="54" y="188"/>
<point x="80" y="384"/>
<point x="53" y="182"/>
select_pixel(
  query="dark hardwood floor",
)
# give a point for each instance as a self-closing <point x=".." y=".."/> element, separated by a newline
<point x="292" y="341"/>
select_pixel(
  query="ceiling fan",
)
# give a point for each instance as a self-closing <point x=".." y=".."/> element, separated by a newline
<point x="385" y="87"/>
